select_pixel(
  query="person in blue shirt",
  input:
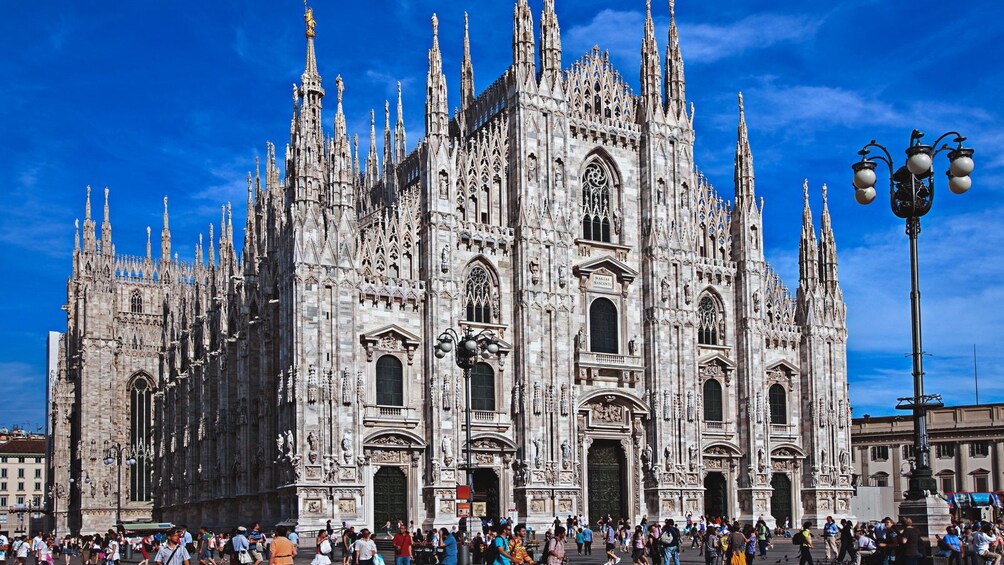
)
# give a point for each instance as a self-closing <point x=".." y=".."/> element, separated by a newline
<point x="239" y="544"/>
<point x="257" y="540"/>
<point x="587" y="539"/>
<point x="502" y="544"/>
<point x="951" y="546"/>
<point x="449" y="544"/>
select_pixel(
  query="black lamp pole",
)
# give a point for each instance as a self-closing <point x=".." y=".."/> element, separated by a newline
<point x="113" y="456"/>
<point x="911" y="194"/>
<point x="469" y="346"/>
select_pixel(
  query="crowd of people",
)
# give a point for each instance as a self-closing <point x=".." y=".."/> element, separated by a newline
<point x="718" y="540"/>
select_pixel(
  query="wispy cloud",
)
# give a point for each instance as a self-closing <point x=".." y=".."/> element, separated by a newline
<point x="709" y="42"/>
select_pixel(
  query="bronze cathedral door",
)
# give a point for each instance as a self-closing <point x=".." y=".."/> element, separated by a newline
<point x="606" y="480"/>
<point x="390" y="500"/>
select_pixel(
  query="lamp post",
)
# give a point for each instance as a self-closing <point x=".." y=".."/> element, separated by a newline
<point x="469" y="346"/>
<point x="911" y="194"/>
<point x="114" y="456"/>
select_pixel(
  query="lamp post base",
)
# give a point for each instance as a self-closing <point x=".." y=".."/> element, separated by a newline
<point x="930" y="516"/>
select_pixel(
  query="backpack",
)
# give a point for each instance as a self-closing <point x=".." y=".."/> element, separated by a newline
<point x="798" y="539"/>
<point x="492" y="553"/>
<point x="543" y="552"/>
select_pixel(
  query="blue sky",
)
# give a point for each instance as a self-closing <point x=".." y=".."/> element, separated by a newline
<point x="177" y="98"/>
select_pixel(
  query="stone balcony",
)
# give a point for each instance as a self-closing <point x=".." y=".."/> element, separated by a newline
<point x="610" y="367"/>
<point x="719" y="428"/>
<point x="487" y="420"/>
<point x="783" y="431"/>
<point x="401" y="416"/>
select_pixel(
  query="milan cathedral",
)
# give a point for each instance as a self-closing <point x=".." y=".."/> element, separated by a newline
<point x="652" y="361"/>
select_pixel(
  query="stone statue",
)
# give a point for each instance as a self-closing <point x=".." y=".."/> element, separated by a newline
<point x="447" y="446"/>
<point x="692" y="452"/>
<point x="280" y="445"/>
<point x="444" y="260"/>
<point x="290" y="444"/>
<point x="536" y="452"/>
<point x="667" y="455"/>
<point x="688" y="293"/>
<point x="347" y="447"/>
<point x="566" y="453"/>
<point x="312" y="441"/>
<point x="562" y="276"/>
<point x="559" y="173"/>
<point x="308" y="18"/>
<point x="646" y="457"/>
<point x="760" y="464"/>
<point x="580" y="338"/>
<point x="664" y="286"/>
<point x="531" y="168"/>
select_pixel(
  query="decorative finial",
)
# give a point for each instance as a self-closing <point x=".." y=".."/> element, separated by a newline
<point x="435" y="27"/>
<point x="805" y="189"/>
<point x="308" y="18"/>
<point x="341" y="87"/>
<point x="672" y="8"/>
<point x="824" y="194"/>
<point x="741" y="102"/>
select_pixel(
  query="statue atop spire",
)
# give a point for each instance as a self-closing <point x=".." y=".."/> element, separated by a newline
<point x="311" y="23"/>
<point x="106" y="229"/>
<point x="550" y="45"/>
<point x="400" y="143"/>
<point x="808" y="267"/>
<point x="165" y="237"/>
<point x="827" y="251"/>
<point x="436" y="108"/>
<point x="651" y="67"/>
<point x="676" y="96"/>
<point x="466" y="71"/>
<point x="745" y="194"/>
<point x="522" y="41"/>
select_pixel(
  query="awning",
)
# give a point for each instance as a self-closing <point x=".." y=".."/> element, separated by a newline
<point x="973" y="499"/>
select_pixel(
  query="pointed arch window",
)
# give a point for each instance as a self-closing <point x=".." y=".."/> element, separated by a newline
<point x="596" y="209"/>
<point x="136" y="303"/>
<point x="389" y="381"/>
<point x="778" y="404"/>
<point x="709" y="322"/>
<point x="479" y="295"/>
<point x="140" y="436"/>
<point x="713" y="410"/>
<point x="483" y="388"/>
<point x="603" y="327"/>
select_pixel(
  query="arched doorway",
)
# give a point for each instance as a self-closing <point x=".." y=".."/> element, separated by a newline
<point x="780" y="500"/>
<point x="391" y="504"/>
<point x="486" y="491"/>
<point x="716" y="498"/>
<point x="606" y="480"/>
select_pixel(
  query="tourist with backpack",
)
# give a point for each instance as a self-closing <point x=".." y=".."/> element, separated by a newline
<point x="554" y="551"/>
<point x="803" y="540"/>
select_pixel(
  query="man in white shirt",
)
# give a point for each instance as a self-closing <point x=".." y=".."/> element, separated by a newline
<point x="173" y="552"/>
<point x="37" y="545"/>
<point x="4" y="542"/>
<point x="113" y="548"/>
<point x="364" y="548"/>
<point x="982" y="540"/>
<point x="22" y="550"/>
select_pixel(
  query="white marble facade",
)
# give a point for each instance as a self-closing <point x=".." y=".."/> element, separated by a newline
<point x="619" y="332"/>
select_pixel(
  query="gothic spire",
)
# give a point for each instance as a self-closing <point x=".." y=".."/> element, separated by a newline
<point x="400" y="144"/>
<point x="340" y="127"/>
<point x="212" y="247"/>
<point x="311" y="91"/>
<point x="106" y="228"/>
<point x="745" y="194"/>
<point x="651" y="67"/>
<point x="550" y="44"/>
<point x="522" y="41"/>
<point x="76" y="235"/>
<point x="388" y="146"/>
<point x="89" y="237"/>
<point x="165" y="237"/>
<point x="198" y="252"/>
<point x="250" y="238"/>
<point x="466" y="71"/>
<point x="808" y="267"/>
<point x="436" y="109"/>
<point x="372" y="161"/>
<point x="676" y="95"/>
<point x="149" y="248"/>
<point x="355" y="158"/>
<point x="827" y="250"/>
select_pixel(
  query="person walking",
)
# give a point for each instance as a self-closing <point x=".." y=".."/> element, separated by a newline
<point x="364" y="548"/>
<point x="172" y="552"/>
<point x="502" y="545"/>
<point x="555" y="551"/>
<point x="611" y="539"/>
<point x="909" y="544"/>
<point x="402" y="546"/>
<point x="830" y="538"/>
<point x="805" y="545"/>
<point x="762" y="537"/>
<point x="322" y="549"/>
<point x="737" y="546"/>
<point x="282" y="551"/>
<point x="670" y="540"/>
<point x="587" y="539"/>
<point x="846" y="541"/>
<point x="448" y="543"/>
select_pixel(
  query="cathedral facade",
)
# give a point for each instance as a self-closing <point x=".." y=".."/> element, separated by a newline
<point x="652" y="361"/>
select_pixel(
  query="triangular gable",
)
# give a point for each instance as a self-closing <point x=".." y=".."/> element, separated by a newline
<point x="717" y="357"/>
<point x="390" y="338"/>
<point x="623" y="272"/>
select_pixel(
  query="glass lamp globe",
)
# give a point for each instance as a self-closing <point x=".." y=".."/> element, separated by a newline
<point x="919" y="163"/>
<point x="131" y="461"/>
<point x="493" y="348"/>
<point x="439" y="354"/>
<point x="485" y="354"/>
<point x="446" y="346"/>
<point x="865" y="195"/>
<point x="470" y="345"/>
<point x="962" y="166"/>
<point x="109" y="460"/>
<point x="959" y="185"/>
<point x="864" y="178"/>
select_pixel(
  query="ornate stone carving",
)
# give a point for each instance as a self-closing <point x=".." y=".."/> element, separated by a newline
<point x="608" y="413"/>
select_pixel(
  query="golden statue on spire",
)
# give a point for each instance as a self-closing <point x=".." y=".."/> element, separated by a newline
<point x="308" y="18"/>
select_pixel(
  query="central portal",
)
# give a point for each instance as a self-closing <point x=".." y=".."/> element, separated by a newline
<point x="606" y="480"/>
<point x="391" y="504"/>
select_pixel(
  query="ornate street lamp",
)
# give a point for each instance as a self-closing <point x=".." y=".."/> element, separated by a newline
<point x="911" y="194"/>
<point x="469" y="347"/>
<point x="114" y="455"/>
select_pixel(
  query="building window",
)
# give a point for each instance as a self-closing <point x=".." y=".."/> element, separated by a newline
<point x="483" y="388"/>
<point x="38" y="486"/>
<point x="981" y="483"/>
<point x="909" y="452"/>
<point x="880" y="453"/>
<point x="3" y="501"/>
<point x="778" y="404"/>
<point x="603" y="326"/>
<point x="3" y="473"/>
<point x="479" y="296"/>
<point x="945" y="450"/>
<point x="979" y="449"/>
<point x="136" y="303"/>
<point x="20" y="473"/>
<point x="140" y="436"/>
<point x="389" y="381"/>
<point x="708" y="324"/>
<point x="20" y="500"/>
<point x="3" y="486"/>
<point x="596" y="203"/>
<point x="713" y="411"/>
<point x="38" y="473"/>
<point x="880" y="479"/>
<point x="947" y="483"/>
<point x="20" y="486"/>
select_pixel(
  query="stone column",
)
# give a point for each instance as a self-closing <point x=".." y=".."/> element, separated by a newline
<point x="997" y="482"/>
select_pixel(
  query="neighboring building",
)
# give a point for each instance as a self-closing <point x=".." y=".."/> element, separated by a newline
<point x="653" y="361"/>
<point x="22" y="482"/>
<point x="967" y="449"/>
